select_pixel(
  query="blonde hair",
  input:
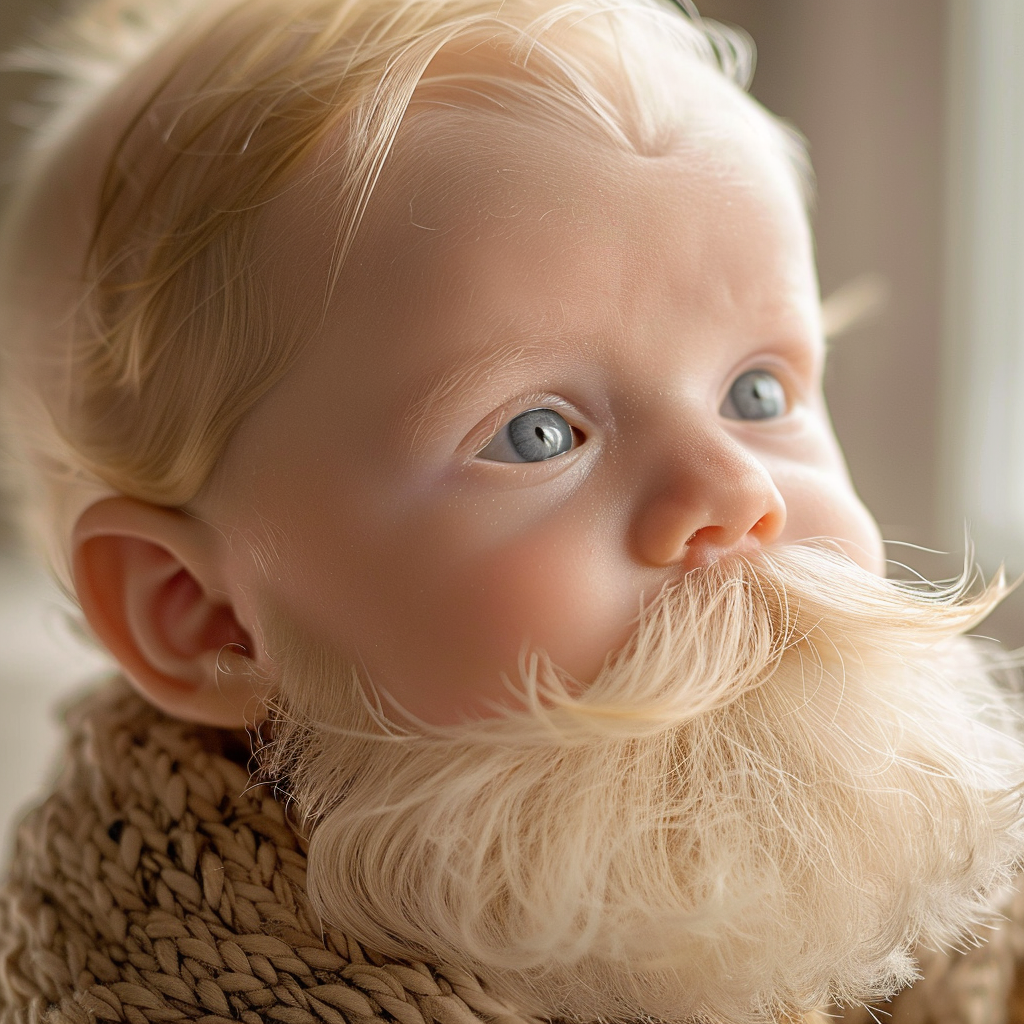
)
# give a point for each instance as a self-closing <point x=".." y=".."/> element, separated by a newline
<point x="168" y="337"/>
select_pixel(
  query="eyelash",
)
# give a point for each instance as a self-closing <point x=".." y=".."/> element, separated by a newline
<point x="794" y="379"/>
<point x="481" y="437"/>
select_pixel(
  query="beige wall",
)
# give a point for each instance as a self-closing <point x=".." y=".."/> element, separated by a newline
<point x="16" y="16"/>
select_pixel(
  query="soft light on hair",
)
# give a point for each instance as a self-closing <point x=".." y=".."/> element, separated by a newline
<point x="131" y="377"/>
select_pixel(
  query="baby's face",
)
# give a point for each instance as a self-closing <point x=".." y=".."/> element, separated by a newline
<point x="548" y="383"/>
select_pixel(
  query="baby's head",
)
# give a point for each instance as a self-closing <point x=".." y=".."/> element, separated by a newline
<point x="452" y="327"/>
<point x="379" y="362"/>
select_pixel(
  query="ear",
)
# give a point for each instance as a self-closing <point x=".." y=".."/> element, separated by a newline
<point x="153" y="585"/>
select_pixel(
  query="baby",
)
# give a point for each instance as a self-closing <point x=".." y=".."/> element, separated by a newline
<point x="434" y="387"/>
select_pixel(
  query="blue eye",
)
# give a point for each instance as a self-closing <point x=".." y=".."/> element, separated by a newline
<point x="755" y="395"/>
<point x="532" y="436"/>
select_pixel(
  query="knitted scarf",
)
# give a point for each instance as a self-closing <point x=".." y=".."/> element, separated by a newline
<point x="157" y="883"/>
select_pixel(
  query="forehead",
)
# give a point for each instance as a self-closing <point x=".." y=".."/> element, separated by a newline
<point x="495" y="252"/>
<point x="461" y="180"/>
<point x="494" y="157"/>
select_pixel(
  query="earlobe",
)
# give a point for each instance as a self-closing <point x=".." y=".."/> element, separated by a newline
<point x="152" y="585"/>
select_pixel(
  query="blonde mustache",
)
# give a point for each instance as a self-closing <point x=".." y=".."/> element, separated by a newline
<point x="791" y="775"/>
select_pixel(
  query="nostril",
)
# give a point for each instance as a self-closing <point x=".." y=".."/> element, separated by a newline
<point x="711" y="541"/>
<point x="768" y="527"/>
<point x="708" y="536"/>
<point x="704" y="546"/>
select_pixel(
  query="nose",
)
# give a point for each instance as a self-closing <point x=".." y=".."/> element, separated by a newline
<point x="714" y="499"/>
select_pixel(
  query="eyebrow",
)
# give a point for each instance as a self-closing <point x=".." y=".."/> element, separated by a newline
<point x="431" y="400"/>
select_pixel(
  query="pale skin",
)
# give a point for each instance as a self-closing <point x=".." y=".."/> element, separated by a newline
<point x="629" y="299"/>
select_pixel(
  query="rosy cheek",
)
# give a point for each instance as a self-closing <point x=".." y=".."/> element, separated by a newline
<point x="437" y="607"/>
<point x="475" y="614"/>
<point x="822" y="504"/>
<point x="558" y="593"/>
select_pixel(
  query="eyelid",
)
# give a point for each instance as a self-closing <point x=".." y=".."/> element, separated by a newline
<point x="793" y="366"/>
<point x="485" y="432"/>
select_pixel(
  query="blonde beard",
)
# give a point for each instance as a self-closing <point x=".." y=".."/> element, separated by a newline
<point x="793" y="774"/>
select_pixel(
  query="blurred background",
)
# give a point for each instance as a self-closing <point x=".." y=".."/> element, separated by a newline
<point x="914" y="112"/>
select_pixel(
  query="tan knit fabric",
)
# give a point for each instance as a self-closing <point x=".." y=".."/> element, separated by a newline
<point x="158" y="884"/>
<point x="980" y="985"/>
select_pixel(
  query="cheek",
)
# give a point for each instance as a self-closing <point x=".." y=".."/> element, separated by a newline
<point x="565" y="593"/>
<point x="822" y="504"/>
<point x="553" y="589"/>
<point x="438" y="604"/>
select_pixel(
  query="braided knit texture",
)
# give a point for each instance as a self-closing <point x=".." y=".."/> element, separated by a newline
<point x="157" y="883"/>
